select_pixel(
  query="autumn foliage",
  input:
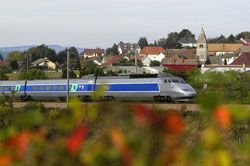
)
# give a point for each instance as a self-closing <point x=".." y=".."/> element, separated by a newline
<point x="124" y="134"/>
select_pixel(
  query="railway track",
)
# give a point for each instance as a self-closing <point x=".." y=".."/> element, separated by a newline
<point x="161" y="106"/>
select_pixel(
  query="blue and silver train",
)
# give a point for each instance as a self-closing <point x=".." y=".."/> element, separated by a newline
<point x="133" y="87"/>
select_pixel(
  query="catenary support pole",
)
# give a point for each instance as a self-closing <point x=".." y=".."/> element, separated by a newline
<point x="68" y="78"/>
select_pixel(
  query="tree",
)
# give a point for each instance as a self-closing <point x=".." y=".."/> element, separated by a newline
<point x="113" y="50"/>
<point x="231" y="38"/>
<point x="186" y="33"/>
<point x="1" y="57"/>
<point x="172" y="41"/>
<point x="32" y="74"/>
<point x="162" y="42"/>
<point x="41" y="51"/>
<point x="143" y="42"/>
<point x="220" y="39"/>
<point x="72" y="74"/>
<point x="14" y="65"/>
<point x="225" y="62"/>
<point x="3" y="75"/>
<point x="208" y="61"/>
<point x="155" y="63"/>
<point x="139" y="63"/>
<point x="244" y="35"/>
<point x="74" y="58"/>
<point x="89" y="67"/>
<point x="15" y="56"/>
<point x="124" y="62"/>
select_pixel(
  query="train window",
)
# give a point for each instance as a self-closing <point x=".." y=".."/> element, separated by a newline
<point x="7" y="88"/>
<point x="35" y="88"/>
<point x="47" y="88"/>
<point x="41" y="88"/>
<point x="54" y="88"/>
<point x="175" y="81"/>
<point x="182" y="81"/>
<point x="12" y="88"/>
<point x="1" y="88"/>
<point x="61" y="88"/>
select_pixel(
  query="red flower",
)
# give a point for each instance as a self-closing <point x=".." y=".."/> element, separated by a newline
<point x="76" y="138"/>
<point x="222" y="116"/>
<point x="174" y="124"/>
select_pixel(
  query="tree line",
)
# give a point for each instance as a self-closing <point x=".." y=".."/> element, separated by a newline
<point x="172" y="41"/>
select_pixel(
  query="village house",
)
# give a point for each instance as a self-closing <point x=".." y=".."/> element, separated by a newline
<point x="243" y="59"/>
<point x="241" y="64"/>
<point x="44" y="63"/>
<point x="92" y="53"/>
<point x="245" y="42"/>
<point x="110" y="60"/>
<point x="128" y="48"/>
<point x="149" y="54"/>
<point x="180" y="59"/>
<point x="222" y="49"/>
<point x="4" y="63"/>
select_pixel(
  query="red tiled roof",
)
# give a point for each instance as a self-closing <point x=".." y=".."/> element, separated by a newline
<point x="93" y="51"/>
<point x="4" y="62"/>
<point x="140" y="57"/>
<point x="242" y="59"/>
<point x="243" y="41"/>
<point x="152" y="50"/>
<point x="189" y="53"/>
<point x="180" y="67"/>
<point x="113" y="60"/>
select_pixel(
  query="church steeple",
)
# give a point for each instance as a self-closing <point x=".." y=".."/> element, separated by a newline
<point x="202" y="37"/>
<point x="202" y="48"/>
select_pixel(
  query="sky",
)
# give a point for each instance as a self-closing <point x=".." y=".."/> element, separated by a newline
<point x="100" y="23"/>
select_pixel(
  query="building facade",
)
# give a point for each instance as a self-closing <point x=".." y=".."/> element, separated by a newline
<point x="128" y="48"/>
<point x="202" y="48"/>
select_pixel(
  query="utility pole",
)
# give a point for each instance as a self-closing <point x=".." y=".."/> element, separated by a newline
<point x="68" y="78"/>
<point x="27" y="63"/>
<point x="136" y="61"/>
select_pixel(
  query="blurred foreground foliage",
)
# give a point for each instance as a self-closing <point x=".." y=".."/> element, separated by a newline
<point x="231" y="86"/>
<point x="125" y="134"/>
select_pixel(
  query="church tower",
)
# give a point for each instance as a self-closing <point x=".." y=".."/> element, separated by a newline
<point x="202" y="48"/>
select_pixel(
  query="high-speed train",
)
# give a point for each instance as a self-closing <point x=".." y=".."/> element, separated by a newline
<point x="139" y="87"/>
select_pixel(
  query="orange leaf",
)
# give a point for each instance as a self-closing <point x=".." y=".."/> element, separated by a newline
<point x="19" y="143"/>
<point x="222" y="116"/>
<point x="146" y="115"/>
<point x="5" y="160"/>
<point x="174" y="124"/>
<point x="120" y="144"/>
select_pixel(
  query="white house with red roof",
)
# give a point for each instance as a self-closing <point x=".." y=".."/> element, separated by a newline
<point x="92" y="53"/>
<point x="149" y="54"/>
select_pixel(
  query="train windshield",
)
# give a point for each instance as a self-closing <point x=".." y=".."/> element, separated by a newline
<point x="178" y="81"/>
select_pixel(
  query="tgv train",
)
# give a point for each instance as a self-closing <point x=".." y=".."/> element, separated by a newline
<point x="133" y="87"/>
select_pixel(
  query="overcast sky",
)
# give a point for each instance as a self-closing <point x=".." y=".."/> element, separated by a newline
<point x="92" y="23"/>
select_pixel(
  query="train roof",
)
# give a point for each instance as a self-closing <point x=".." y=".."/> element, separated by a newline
<point x="129" y="76"/>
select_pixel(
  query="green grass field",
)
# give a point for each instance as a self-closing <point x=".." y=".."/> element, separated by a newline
<point x="51" y="75"/>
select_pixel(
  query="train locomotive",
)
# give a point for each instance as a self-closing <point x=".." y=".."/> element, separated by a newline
<point x="133" y="87"/>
